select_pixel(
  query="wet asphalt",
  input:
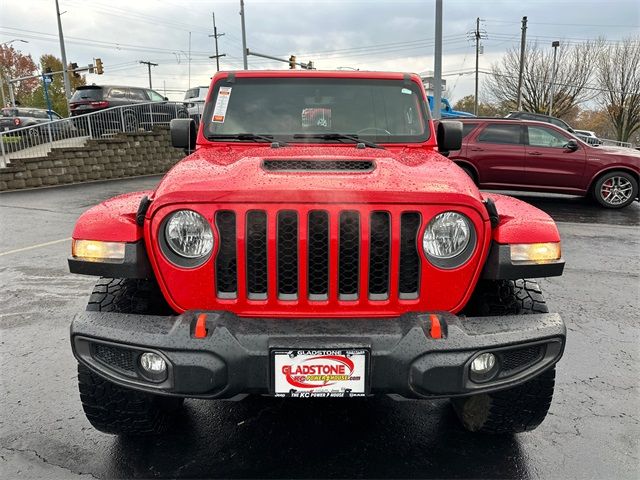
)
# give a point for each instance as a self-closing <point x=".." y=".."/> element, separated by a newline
<point x="592" y="430"/>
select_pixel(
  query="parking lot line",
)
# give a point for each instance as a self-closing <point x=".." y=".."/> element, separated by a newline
<point x="46" y="244"/>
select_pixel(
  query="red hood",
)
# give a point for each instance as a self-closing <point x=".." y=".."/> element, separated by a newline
<point x="235" y="174"/>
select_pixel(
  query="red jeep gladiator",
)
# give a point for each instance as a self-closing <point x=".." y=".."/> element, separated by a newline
<point x="316" y="243"/>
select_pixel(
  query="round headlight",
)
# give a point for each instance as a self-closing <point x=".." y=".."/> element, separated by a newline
<point x="188" y="234"/>
<point x="447" y="236"/>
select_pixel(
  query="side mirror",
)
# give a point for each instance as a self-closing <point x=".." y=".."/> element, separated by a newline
<point x="449" y="136"/>
<point x="166" y="99"/>
<point x="183" y="133"/>
<point x="572" y="145"/>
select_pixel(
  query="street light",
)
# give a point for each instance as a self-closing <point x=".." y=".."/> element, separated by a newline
<point x="555" y="46"/>
<point x="2" y="79"/>
<point x="14" y="40"/>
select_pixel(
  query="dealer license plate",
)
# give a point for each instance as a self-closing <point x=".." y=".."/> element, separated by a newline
<point x="320" y="373"/>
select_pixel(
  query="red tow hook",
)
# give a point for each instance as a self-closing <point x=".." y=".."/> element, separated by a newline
<point x="436" y="328"/>
<point x="201" y="326"/>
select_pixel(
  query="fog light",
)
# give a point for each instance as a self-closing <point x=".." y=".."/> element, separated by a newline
<point x="153" y="363"/>
<point x="483" y="363"/>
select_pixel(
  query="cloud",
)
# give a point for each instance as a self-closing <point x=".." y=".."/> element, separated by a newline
<point x="376" y="35"/>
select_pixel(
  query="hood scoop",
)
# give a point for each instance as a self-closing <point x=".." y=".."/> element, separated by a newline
<point x="328" y="165"/>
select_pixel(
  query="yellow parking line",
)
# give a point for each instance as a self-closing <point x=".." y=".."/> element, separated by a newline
<point x="46" y="244"/>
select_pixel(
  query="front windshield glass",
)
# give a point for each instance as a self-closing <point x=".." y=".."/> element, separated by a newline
<point x="386" y="111"/>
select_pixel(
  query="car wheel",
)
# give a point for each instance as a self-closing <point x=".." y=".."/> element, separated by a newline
<point x="33" y="136"/>
<point x="469" y="172"/>
<point x="112" y="408"/>
<point x="130" y="123"/>
<point x="519" y="408"/>
<point x="615" y="189"/>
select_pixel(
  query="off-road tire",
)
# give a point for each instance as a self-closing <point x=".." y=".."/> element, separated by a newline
<point x="517" y="409"/>
<point x="128" y="295"/>
<point x="506" y="297"/>
<point x="111" y="408"/>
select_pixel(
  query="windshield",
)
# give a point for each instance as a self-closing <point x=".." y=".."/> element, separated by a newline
<point x="391" y="111"/>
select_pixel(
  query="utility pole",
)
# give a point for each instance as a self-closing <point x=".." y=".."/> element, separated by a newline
<point x="478" y="35"/>
<point x="189" y="61"/>
<point x="216" y="35"/>
<point x="437" y="68"/>
<point x="244" y="37"/>
<point x="523" y="42"/>
<point x="552" y="87"/>
<point x="63" y="56"/>
<point x="149" y="65"/>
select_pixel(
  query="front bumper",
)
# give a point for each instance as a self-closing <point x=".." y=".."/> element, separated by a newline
<point x="234" y="357"/>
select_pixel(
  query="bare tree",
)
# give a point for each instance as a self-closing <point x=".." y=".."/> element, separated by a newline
<point x="618" y="75"/>
<point x="575" y="67"/>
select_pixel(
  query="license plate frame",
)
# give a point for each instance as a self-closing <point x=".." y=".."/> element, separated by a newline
<point x="321" y="382"/>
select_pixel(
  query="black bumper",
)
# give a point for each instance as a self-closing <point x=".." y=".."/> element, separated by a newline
<point x="235" y="356"/>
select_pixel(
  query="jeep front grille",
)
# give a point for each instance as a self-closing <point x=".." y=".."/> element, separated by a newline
<point x="317" y="255"/>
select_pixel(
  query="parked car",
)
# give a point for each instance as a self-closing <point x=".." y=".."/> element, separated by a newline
<point x="587" y="136"/>
<point x="446" y="110"/>
<point x="540" y="117"/>
<point x="511" y="154"/>
<point x="316" y="245"/>
<point x="14" y="118"/>
<point x="147" y="107"/>
<point x="194" y="99"/>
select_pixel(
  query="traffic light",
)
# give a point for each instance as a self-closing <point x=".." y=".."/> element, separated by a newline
<point x="99" y="69"/>
<point x="292" y="62"/>
<point x="72" y="69"/>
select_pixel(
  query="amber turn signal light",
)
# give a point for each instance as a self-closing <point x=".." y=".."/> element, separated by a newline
<point x="94" y="251"/>
<point x="535" y="252"/>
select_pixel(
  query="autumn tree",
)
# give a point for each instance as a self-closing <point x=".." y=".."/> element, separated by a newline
<point x="485" y="109"/>
<point x="618" y="74"/>
<point x="14" y="64"/>
<point x="56" y="87"/>
<point x="575" y="67"/>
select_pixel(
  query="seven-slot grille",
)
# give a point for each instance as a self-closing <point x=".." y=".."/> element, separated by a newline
<point x="308" y="264"/>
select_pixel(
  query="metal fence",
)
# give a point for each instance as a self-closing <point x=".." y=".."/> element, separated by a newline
<point x="38" y="140"/>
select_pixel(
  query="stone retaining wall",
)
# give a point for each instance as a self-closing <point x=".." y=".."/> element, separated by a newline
<point x="125" y="155"/>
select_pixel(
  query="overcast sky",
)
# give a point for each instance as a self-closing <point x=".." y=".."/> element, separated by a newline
<point x="369" y="35"/>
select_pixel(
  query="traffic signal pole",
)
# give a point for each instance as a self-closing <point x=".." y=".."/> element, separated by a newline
<point x="291" y="61"/>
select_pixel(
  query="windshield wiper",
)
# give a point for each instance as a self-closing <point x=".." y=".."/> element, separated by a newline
<point x="247" y="136"/>
<point x="339" y="136"/>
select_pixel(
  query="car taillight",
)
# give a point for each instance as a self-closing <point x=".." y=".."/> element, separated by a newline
<point x="102" y="104"/>
<point x="16" y="121"/>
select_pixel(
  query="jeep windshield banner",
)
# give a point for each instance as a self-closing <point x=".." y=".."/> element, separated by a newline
<point x="320" y="373"/>
<point x="374" y="110"/>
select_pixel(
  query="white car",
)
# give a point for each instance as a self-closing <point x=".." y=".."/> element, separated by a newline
<point x="587" y="136"/>
<point x="194" y="100"/>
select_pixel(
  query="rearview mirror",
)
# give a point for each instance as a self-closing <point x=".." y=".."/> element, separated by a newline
<point x="449" y="136"/>
<point x="183" y="133"/>
<point x="572" y="145"/>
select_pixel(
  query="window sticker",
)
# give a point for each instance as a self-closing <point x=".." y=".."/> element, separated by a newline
<point x="222" y="102"/>
<point x="316" y="117"/>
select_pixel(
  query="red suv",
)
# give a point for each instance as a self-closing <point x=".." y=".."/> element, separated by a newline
<point x="536" y="156"/>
